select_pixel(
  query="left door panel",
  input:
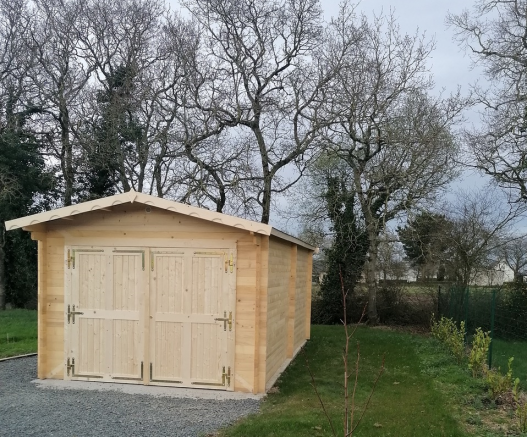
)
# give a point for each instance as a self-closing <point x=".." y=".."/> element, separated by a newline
<point x="104" y="320"/>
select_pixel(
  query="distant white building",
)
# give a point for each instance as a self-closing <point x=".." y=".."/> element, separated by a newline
<point x="495" y="275"/>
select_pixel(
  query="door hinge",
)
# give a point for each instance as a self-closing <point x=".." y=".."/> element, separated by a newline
<point x="71" y="314"/>
<point x="69" y="259"/>
<point x="70" y="366"/>
<point x="226" y="377"/>
<point x="231" y="263"/>
<point x="225" y="320"/>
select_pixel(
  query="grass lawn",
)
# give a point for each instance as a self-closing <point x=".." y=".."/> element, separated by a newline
<point x="502" y="350"/>
<point x="18" y="332"/>
<point x="422" y="392"/>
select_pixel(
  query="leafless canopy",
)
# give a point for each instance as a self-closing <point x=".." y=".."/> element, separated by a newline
<point x="493" y="33"/>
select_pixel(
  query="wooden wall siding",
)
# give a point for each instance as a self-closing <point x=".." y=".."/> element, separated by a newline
<point x="309" y="284"/>
<point x="292" y="302"/>
<point x="277" y="305"/>
<point x="300" y="298"/>
<point x="245" y="314"/>
<point x="51" y="309"/>
<point x="260" y="346"/>
<point x="262" y="285"/>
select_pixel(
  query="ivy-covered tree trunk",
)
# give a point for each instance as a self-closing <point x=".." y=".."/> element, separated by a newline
<point x="346" y="256"/>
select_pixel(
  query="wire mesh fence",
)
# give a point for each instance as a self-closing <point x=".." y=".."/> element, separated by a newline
<point x="501" y="310"/>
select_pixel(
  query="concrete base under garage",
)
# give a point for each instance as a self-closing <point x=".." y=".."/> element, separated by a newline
<point x="172" y="392"/>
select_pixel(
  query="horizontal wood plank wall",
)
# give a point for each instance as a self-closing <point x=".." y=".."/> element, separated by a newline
<point x="130" y="225"/>
<point x="277" y="305"/>
<point x="262" y="325"/>
<point x="52" y="309"/>
<point x="41" y="322"/>
<point x="245" y="314"/>
<point x="301" y="297"/>
<point x="292" y="302"/>
<point x="309" y="282"/>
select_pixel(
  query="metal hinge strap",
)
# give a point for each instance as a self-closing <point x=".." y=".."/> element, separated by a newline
<point x="70" y="366"/>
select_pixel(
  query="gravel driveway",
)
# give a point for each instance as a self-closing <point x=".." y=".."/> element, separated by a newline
<point x="26" y="410"/>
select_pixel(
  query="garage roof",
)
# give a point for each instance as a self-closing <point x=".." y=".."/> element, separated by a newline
<point x="157" y="202"/>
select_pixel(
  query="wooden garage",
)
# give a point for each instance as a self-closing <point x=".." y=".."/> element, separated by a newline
<point x="141" y="290"/>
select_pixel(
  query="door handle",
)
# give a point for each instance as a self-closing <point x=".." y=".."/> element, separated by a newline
<point x="225" y="320"/>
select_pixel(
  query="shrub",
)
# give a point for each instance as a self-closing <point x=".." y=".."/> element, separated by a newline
<point x="479" y="353"/>
<point x="447" y="332"/>
<point x="521" y="415"/>
<point x="499" y="384"/>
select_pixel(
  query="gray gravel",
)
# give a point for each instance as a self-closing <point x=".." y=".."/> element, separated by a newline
<point x="26" y="410"/>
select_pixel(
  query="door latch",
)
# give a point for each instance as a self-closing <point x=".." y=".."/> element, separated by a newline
<point x="71" y="314"/>
<point x="226" y="320"/>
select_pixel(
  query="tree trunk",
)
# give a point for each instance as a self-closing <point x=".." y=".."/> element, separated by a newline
<point x="67" y="155"/>
<point x="371" y="277"/>
<point x="266" y="201"/>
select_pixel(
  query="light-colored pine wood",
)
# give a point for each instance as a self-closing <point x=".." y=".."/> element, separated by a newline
<point x="41" y="305"/>
<point x="292" y="302"/>
<point x="277" y="301"/>
<point x="268" y="302"/>
<point x="309" y="282"/>
<point x="300" y="304"/>
<point x="257" y="240"/>
<point x="106" y="340"/>
<point x="192" y="288"/>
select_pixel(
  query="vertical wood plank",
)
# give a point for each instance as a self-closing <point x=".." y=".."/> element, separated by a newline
<point x="144" y="302"/>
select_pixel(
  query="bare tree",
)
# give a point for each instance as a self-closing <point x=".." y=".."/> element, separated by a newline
<point x="60" y="78"/>
<point x="395" y="139"/>
<point x="266" y="83"/>
<point x="480" y="222"/>
<point x="123" y="44"/>
<point x="391" y="257"/>
<point x="16" y="105"/>
<point x="493" y="33"/>
<point x="514" y="253"/>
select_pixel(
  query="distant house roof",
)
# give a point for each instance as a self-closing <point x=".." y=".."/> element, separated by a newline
<point x="157" y="202"/>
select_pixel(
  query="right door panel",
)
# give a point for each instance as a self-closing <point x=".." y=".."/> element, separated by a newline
<point x="192" y="317"/>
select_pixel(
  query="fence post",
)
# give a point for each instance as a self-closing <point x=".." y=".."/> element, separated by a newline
<point x="492" y="314"/>
<point x="467" y="294"/>
<point x="438" y="302"/>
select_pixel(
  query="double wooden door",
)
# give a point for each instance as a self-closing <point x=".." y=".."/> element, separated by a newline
<point x="151" y="315"/>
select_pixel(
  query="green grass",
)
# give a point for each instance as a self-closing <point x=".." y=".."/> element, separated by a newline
<point x="423" y="391"/>
<point x="502" y="350"/>
<point x="18" y="332"/>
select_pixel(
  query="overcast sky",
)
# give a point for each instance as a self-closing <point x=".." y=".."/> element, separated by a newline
<point x="450" y="65"/>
